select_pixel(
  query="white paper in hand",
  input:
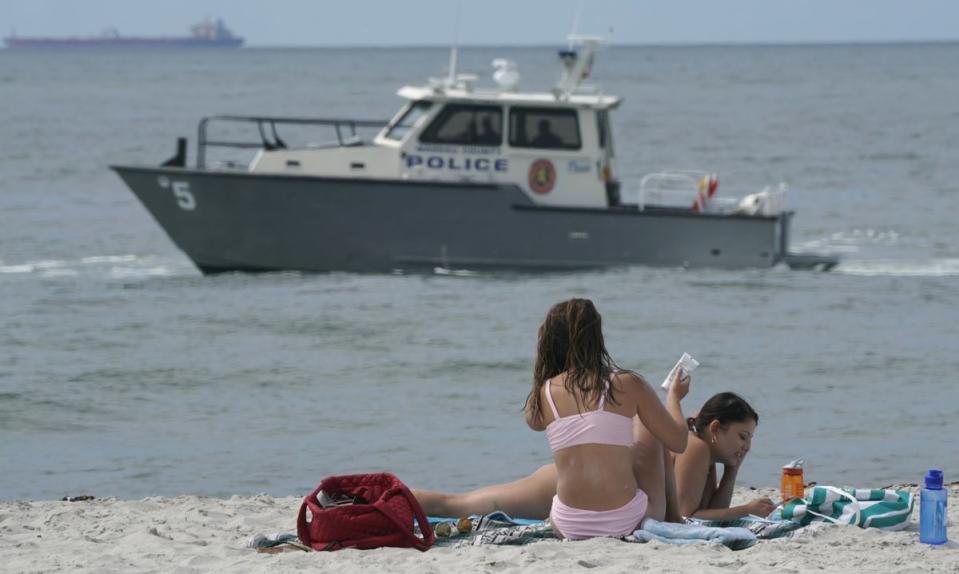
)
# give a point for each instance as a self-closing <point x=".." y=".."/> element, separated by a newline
<point x="687" y="363"/>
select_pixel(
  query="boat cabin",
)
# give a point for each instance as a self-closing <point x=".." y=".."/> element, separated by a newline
<point x="557" y="147"/>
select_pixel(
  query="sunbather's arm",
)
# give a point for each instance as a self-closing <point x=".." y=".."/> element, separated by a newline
<point x="760" y="507"/>
<point x="724" y="492"/>
<point x="666" y="423"/>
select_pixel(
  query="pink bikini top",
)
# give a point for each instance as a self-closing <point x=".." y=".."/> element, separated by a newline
<point x="592" y="427"/>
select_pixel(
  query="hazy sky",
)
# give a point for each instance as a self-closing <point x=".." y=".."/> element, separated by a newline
<point x="542" y="22"/>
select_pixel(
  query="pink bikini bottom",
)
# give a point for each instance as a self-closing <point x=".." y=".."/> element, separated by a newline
<point x="578" y="524"/>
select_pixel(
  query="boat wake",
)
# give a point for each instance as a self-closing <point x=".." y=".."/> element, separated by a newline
<point x="882" y="253"/>
<point x="851" y="241"/>
<point x="111" y="266"/>
<point x="454" y="272"/>
<point x="946" y="267"/>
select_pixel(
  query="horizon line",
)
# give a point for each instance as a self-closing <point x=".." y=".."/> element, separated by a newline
<point x="710" y="44"/>
<point x="672" y="45"/>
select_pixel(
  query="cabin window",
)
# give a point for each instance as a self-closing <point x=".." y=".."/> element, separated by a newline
<point x="406" y="122"/>
<point x="544" y="128"/>
<point x="460" y="124"/>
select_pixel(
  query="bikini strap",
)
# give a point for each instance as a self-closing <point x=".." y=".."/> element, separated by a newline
<point x="549" y="398"/>
<point x="602" y="397"/>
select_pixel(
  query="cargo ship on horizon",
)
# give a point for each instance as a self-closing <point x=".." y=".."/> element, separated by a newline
<point x="205" y="34"/>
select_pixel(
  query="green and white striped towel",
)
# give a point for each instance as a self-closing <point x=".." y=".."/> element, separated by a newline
<point x="882" y="508"/>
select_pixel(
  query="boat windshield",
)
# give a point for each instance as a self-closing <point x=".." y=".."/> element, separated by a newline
<point x="402" y="126"/>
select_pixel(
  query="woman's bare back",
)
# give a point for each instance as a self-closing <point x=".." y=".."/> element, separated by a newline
<point x="593" y="476"/>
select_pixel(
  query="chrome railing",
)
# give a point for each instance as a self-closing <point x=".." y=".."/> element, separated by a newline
<point x="346" y="132"/>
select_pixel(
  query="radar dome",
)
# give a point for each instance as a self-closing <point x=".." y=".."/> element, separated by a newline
<point x="505" y="75"/>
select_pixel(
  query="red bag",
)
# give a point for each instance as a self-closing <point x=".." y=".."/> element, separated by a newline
<point x="382" y="514"/>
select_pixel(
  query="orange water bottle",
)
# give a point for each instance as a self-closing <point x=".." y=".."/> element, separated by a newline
<point x="792" y="485"/>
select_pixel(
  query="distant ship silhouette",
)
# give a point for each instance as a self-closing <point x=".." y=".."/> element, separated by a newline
<point x="205" y="34"/>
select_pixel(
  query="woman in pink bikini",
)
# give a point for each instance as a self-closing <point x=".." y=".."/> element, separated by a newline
<point x="589" y="424"/>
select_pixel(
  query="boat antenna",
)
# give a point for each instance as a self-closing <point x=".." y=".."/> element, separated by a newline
<point x="455" y="49"/>
<point x="575" y="30"/>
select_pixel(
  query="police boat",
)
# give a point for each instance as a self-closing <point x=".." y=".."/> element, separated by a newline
<point x="459" y="178"/>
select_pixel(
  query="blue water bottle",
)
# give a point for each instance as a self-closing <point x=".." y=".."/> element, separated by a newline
<point x="932" y="510"/>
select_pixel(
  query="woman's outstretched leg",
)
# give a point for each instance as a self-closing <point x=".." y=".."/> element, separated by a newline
<point x="529" y="497"/>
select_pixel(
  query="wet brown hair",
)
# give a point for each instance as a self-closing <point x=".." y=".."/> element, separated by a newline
<point x="723" y="407"/>
<point x="571" y="340"/>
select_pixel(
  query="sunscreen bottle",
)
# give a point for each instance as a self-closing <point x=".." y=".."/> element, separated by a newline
<point x="687" y="363"/>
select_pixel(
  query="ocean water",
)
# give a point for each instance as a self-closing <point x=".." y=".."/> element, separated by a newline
<point x="123" y="372"/>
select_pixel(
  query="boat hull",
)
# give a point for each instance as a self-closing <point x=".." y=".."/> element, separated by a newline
<point x="241" y="221"/>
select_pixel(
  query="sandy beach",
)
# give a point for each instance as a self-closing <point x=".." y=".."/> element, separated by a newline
<point x="199" y="534"/>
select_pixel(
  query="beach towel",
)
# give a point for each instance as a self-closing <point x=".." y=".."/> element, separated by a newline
<point x="732" y="537"/>
<point x="882" y="508"/>
<point x="276" y="542"/>
<point x="763" y="528"/>
<point x="496" y="528"/>
<point x="499" y="528"/>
